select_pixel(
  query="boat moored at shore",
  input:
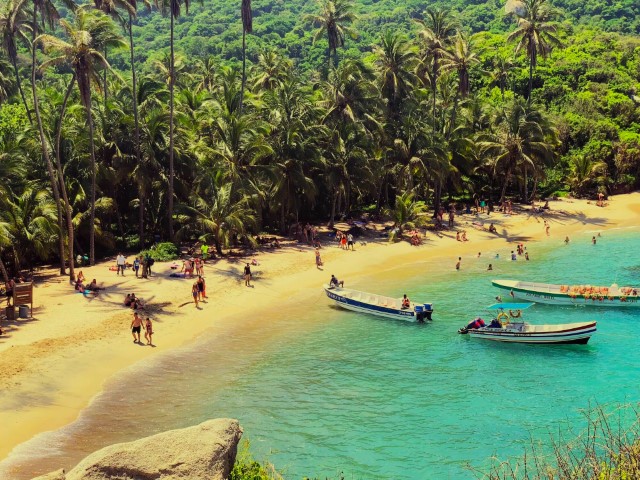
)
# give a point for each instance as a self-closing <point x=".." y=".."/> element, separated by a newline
<point x="553" y="294"/>
<point x="511" y="329"/>
<point x="379" y="305"/>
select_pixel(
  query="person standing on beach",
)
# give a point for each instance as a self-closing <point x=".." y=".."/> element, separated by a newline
<point x="148" y="331"/>
<point x="201" y="288"/>
<point x="194" y="293"/>
<point x="547" y="227"/>
<point x="318" y="259"/>
<point x="458" y="264"/>
<point x="136" y="265"/>
<point x="204" y="250"/>
<point x="120" y="264"/>
<point x="247" y="275"/>
<point x="136" y="325"/>
<point x="350" y="242"/>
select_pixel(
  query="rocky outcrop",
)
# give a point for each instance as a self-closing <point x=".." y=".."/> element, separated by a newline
<point x="205" y="451"/>
<point x="57" y="475"/>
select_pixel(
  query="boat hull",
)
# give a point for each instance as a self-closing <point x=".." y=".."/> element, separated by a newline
<point x="340" y="299"/>
<point x="553" y="296"/>
<point x="579" y="334"/>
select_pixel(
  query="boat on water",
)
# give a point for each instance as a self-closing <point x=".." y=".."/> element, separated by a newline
<point x="379" y="305"/>
<point x="552" y="294"/>
<point x="509" y="327"/>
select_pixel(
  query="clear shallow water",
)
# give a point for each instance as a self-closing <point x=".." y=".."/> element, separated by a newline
<point x="321" y="391"/>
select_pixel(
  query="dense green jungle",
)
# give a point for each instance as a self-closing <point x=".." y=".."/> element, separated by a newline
<point x="123" y="123"/>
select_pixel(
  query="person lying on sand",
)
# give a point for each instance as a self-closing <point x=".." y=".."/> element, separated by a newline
<point x="93" y="286"/>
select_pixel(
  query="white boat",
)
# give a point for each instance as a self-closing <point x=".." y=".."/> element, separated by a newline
<point x="552" y="294"/>
<point x="379" y="305"/>
<point x="508" y="327"/>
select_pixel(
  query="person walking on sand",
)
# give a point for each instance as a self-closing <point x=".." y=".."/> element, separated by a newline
<point x="201" y="289"/>
<point x="194" y="292"/>
<point x="547" y="227"/>
<point x="350" y="242"/>
<point x="136" y="266"/>
<point x="136" y="325"/>
<point x="318" y="259"/>
<point x="458" y="264"/>
<point x="120" y="264"/>
<point x="247" y="275"/>
<point x="148" y="331"/>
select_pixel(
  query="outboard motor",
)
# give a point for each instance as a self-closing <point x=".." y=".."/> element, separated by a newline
<point x="428" y="310"/>
<point x="419" y="309"/>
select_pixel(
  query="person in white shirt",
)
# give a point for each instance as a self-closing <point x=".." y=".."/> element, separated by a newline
<point x="120" y="263"/>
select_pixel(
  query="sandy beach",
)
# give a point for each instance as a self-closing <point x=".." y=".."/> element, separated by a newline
<point x="54" y="364"/>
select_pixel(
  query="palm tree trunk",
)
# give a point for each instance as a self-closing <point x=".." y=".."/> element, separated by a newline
<point x="526" y="186"/>
<point x="45" y="149"/>
<point x="171" y="173"/>
<point x="3" y="269"/>
<point x="504" y="187"/>
<point x="63" y="187"/>
<point x="19" y="83"/>
<point x="333" y="209"/>
<point x="530" y="79"/>
<point x="92" y="226"/>
<point x="244" y="67"/>
<point x="136" y="120"/>
<point x="104" y="80"/>
<point x="434" y="77"/>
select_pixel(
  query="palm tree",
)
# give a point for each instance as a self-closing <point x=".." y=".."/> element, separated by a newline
<point x="522" y="138"/>
<point x="172" y="7"/>
<point x="535" y="33"/>
<point x="220" y="217"/>
<point x="30" y="219"/>
<point x="407" y="213"/>
<point x="271" y="70"/>
<point x="14" y="25"/>
<point x="395" y="60"/>
<point x="438" y="28"/>
<point x="247" y="27"/>
<point x="91" y="32"/>
<point x="502" y="67"/>
<point x="333" y="22"/>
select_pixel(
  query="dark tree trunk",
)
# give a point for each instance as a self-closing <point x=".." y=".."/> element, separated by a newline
<point x="63" y="187"/>
<point x="45" y="149"/>
<point x="19" y="83"/>
<point x="333" y="209"/>
<point x="244" y="67"/>
<point x="171" y="132"/>
<point x="136" y="120"/>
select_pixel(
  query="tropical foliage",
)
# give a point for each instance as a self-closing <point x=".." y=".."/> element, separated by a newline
<point x="232" y="119"/>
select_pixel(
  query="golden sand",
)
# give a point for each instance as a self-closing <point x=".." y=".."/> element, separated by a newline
<point x="51" y="366"/>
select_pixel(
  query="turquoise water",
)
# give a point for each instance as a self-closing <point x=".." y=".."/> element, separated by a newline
<point x="322" y="391"/>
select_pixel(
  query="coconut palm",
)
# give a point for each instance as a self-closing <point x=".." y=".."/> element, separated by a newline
<point x="521" y="138"/>
<point x="535" y="33"/>
<point x="334" y="21"/>
<point x="15" y="27"/>
<point x="247" y="27"/>
<point x="437" y="31"/>
<point x="407" y="213"/>
<point x="90" y="32"/>
<point x="172" y="8"/>
<point x="502" y="68"/>
<point x="271" y="70"/>
<point x="395" y="60"/>
<point x="220" y="217"/>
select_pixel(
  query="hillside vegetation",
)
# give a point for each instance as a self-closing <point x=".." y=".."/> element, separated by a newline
<point x="337" y="109"/>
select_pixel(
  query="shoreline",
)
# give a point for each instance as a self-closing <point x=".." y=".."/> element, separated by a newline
<point x="60" y="341"/>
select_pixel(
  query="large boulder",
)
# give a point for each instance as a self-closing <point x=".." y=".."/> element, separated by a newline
<point x="205" y="451"/>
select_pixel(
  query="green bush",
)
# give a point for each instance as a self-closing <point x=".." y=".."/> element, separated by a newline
<point x="246" y="468"/>
<point x="162" y="252"/>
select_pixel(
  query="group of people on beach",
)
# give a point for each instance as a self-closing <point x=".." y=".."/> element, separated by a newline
<point x="144" y="261"/>
<point x="91" y="287"/>
<point x="137" y="324"/>
<point x="345" y="240"/>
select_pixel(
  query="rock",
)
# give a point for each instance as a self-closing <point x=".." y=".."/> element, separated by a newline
<point x="205" y="451"/>
<point x="57" y="475"/>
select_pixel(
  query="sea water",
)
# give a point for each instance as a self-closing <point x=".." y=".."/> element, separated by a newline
<point x="321" y="391"/>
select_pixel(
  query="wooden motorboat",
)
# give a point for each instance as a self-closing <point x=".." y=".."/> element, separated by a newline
<point x="379" y="305"/>
<point x="553" y="294"/>
<point x="509" y="327"/>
